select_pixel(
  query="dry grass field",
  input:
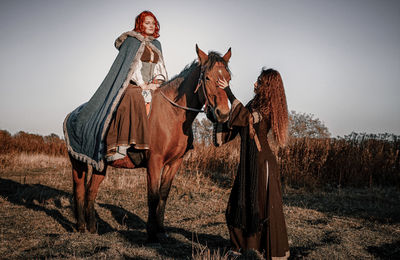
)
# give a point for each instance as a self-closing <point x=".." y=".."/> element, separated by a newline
<point x="36" y="217"/>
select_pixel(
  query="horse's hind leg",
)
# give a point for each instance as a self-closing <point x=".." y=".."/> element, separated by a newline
<point x="79" y="171"/>
<point x="91" y="194"/>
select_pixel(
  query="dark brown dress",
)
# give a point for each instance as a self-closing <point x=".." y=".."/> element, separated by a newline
<point x="255" y="213"/>
<point x="129" y="126"/>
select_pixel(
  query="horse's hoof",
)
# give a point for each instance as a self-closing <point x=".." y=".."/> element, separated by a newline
<point x="155" y="245"/>
<point x="81" y="228"/>
<point x="162" y="236"/>
<point x="152" y="240"/>
<point x="92" y="229"/>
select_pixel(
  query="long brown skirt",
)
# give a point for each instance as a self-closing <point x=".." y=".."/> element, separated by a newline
<point x="129" y="125"/>
<point x="272" y="239"/>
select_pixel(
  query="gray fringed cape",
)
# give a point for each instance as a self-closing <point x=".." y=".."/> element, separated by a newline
<point x="85" y="128"/>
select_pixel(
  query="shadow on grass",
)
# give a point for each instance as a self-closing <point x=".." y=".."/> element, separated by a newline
<point x="35" y="196"/>
<point x="179" y="243"/>
<point x="329" y="238"/>
<point x="213" y="242"/>
<point x="386" y="251"/>
<point x="380" y="205"/>
<point x="299" y="252"/>
<point x="124" y="217"/>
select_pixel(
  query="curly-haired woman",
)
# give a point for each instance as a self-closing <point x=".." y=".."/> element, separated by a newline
<point x="255" y="214"/>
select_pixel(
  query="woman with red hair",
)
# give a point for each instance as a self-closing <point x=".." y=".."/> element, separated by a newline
<point x="113" y="125"/>
<point x="128" y="136"/>
<point x="255" y="214"/>
<point x="143" y="22"/>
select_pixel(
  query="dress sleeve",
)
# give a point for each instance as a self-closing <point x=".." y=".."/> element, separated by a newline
<point x="160" y="70"/>
<point x="137" y="75"/>
<point x="223" y="134"/>
<point x="238" y="118"/>
<point x="239" y="115"/>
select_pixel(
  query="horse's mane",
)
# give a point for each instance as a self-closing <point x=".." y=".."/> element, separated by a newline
<point x="182" y="75"/>
<point x="175" y="82"/>
<point x="213" y="57"/>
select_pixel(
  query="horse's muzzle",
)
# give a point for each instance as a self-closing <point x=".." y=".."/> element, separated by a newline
<point x="221" y="117"/>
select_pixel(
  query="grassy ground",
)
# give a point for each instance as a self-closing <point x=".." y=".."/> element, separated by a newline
<point x="36" y="219"/>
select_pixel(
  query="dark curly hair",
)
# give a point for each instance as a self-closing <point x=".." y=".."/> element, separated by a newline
<point x="270" y="101"/>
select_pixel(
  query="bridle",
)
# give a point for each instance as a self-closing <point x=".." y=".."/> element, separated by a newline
<point x="202" y="83"/>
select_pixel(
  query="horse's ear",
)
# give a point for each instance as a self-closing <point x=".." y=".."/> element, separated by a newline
<point x="202" y="56"/>
<point x="227" y="55"/>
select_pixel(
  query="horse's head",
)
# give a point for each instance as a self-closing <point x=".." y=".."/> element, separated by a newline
<point x="213" y="67"/>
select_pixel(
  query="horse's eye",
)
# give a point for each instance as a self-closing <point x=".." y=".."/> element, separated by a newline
<point x="207" y="78"/>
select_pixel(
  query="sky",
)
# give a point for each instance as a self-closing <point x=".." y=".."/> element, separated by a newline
<point x="339" y="60"/>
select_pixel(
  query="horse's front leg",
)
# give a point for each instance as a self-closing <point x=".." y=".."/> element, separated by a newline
<point x="79" y="173"/>
<point x="154" y="171"/>
<point x="166" y="181"/>
<point x="91" y="194"/>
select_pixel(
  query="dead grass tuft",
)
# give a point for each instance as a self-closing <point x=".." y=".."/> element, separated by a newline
<point x="21" y="161"/>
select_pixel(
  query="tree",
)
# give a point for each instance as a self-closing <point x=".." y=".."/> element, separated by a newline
<point x="52" y="138"/>
<point x="300" y="125"/>
<point x="196" y="128"/>
<point x="305" y="125"/>
<point x="202" y="131"/>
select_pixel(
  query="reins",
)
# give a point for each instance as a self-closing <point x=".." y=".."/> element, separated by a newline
<point x="200" y="83"/>
<point x="177" y="105"/>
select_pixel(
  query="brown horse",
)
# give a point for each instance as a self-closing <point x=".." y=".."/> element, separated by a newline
<point x="174" y="107"/>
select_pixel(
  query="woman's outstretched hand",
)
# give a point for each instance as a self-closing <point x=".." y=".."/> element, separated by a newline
<point x="222" y="83"/>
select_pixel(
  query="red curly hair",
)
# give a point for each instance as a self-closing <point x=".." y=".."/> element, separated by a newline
<point x="139" y="23"/>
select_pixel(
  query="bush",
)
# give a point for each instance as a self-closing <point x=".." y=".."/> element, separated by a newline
<point x="357" y="160"/>
<point x="31" y="144"/>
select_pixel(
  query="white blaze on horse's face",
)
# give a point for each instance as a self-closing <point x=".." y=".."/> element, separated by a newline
<point x="216" y="96"/>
